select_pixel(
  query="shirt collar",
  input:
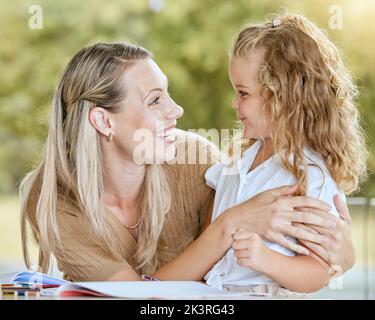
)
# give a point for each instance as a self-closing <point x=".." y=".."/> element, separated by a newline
<point x="248" y="158"/>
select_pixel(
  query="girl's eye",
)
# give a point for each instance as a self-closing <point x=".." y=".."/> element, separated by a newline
<point x="242" y="93"/>
<point x="154" y="102"/>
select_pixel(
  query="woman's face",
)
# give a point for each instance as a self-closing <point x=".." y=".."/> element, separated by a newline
<point x="145" y="129"/>
<point x="248" y="101"/>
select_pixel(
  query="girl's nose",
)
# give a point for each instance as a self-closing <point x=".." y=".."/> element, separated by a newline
<point x="234" y="104"/>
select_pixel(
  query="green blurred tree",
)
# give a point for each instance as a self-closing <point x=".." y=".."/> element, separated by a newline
<point x="190" y="41"/>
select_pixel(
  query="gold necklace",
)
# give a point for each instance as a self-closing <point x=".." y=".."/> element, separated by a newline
<point x="134" y="226"/>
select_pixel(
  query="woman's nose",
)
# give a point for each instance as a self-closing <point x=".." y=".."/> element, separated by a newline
<point x="180" y="111"/>
<point x="175" y="111"/>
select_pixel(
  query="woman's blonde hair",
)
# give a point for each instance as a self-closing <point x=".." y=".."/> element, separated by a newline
<point x="71" y="170"/>
<point x="310" y="97"/>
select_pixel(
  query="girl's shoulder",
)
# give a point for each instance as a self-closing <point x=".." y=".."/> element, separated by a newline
<point x="213" y="174"/>
<point x="233" y="165"/>
<point x="321" y="184"/>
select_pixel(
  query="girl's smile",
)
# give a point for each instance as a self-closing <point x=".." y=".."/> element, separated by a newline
<point x="248" y="101"/>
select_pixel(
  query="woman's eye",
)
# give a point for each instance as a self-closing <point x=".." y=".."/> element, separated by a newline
<point x="242" y="93"/>
<point x="154" y="101"/>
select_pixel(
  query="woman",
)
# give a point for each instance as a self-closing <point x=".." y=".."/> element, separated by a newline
<point x="105" y="215"/>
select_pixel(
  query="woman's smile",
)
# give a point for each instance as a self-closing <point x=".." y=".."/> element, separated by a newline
<point x="168" y="134"/>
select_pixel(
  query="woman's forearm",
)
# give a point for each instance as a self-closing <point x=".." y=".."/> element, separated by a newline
<point x="197" y="259"/>
<point x="257" y="215"/>
<point x="200" y="256"/>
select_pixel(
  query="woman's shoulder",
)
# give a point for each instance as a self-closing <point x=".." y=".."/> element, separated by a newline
<point x="70" y="217"/>
<point x="192" y="148"/>
<point x="194" y="155"/>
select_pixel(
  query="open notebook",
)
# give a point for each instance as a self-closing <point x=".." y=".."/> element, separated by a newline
<point x="145" y="290"/>
<point x="53" y="286"/>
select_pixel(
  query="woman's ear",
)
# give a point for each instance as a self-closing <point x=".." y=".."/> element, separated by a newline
<point x="99" y="119"/>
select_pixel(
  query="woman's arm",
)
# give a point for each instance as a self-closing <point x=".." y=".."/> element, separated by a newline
<point x="200" y="256"/>
<point x="197" y="259"/>
<point x="216" y="239"/>
<point x="296" y="273"/>
<point x="274" y="216"/>
<point x="328" y="237"/>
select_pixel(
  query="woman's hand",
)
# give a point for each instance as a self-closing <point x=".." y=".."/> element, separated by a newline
<point x="272" y="215"/>
<point x="337" y="250"/>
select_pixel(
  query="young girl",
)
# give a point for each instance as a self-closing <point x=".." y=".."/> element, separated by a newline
<point x="295" y="100"/>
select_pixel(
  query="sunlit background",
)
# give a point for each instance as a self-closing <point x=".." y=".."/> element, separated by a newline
<point x="190" y="40"/>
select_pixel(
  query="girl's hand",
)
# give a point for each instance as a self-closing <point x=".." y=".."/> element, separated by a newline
<point x="272" y="215"/>
<point x="249" y="250"/>
<point x="337" y="250"/>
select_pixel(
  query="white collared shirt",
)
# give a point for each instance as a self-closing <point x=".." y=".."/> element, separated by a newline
<point x="236" y="184"/>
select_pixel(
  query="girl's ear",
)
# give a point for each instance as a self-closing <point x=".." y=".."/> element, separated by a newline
<point x="99" y="119"/>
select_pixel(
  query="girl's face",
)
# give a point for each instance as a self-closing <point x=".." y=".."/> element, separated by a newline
<point x="248" y="102"/>
<point x="144" y="131"/>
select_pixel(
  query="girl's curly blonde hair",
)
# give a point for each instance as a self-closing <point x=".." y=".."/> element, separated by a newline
<point x="310" y="98"/>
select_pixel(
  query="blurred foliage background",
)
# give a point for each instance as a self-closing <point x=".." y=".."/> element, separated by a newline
<point x="190" y="41"/>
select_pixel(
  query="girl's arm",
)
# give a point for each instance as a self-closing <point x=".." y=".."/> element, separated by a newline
<point x="297" y="273"/>
<point x="338" y="249"/>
